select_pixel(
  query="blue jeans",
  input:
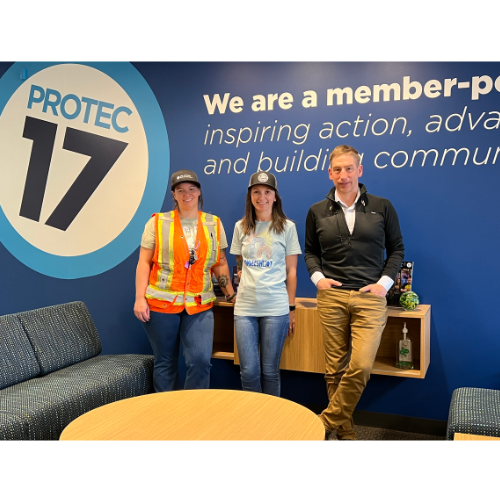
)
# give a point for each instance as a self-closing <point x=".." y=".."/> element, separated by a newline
<point x="196" y="333"/>
<point x="270" y="332"/>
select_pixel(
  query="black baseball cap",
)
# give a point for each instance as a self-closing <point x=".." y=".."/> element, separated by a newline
<point x="183" y="176"/>
<point x="265" y="178"/>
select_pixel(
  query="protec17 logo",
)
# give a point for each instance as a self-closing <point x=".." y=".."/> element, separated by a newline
<point x="84" y="161"/>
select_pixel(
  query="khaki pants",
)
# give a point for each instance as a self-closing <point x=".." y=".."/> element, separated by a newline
<point x="352" y="324"/>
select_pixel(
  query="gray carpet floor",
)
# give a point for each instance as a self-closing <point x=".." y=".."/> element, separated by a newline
<point x="375" y="434"/>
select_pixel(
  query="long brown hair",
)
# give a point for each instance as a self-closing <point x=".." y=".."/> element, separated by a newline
<point x="278" y="217"/>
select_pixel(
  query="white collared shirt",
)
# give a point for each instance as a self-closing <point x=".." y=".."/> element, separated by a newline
<point x="350" y="217"/>
<point x="349" y="212"/>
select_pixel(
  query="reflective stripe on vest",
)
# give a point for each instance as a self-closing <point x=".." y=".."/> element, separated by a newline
<point x="166" y="236"/>
<point x="209" y="228"/>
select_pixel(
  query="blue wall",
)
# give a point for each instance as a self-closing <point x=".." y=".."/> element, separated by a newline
<point x="447" y="211"/>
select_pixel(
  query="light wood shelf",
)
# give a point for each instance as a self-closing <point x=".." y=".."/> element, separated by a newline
<point x="224" y="340"/>
<point x="304" y="350"/>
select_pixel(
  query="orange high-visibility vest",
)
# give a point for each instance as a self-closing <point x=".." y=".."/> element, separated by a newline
<point x="174" y="284"/>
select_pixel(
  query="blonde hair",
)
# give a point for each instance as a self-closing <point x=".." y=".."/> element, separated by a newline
<point x="344" y="149"/>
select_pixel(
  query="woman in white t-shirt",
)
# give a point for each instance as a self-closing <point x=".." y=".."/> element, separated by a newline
<point x="266" y="246"/>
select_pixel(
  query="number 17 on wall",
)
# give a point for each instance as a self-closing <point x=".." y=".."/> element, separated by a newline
<point x="103" y="153"/>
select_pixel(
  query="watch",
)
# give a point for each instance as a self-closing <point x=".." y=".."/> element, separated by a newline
<point x="292" y="308"/>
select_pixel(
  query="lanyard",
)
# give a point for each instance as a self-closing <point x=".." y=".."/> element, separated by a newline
<point x="192" y="256"/>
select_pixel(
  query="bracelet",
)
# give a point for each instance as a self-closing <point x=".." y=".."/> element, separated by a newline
<point x="228" y="298"/>
<point x="292" y="308"/>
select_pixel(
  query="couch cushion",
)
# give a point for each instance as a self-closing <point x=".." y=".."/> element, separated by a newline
<point x="474" y="411"/>
<point x="17" y="359"/>
<point x="42" y="407"/>
<point x="61" y="335"/>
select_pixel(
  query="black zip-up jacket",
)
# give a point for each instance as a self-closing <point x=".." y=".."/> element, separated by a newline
<point x="359" y="259"/>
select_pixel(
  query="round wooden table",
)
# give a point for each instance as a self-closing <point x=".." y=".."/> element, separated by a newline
<point x="208" y="414"/>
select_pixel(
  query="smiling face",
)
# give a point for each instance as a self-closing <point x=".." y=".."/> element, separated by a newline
<point x="186" y="195"/>
<point x="344" y="171"/>
<point x="262" y="197"/>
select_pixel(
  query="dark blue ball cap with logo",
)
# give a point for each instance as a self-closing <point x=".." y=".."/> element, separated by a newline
<point x="183" y="176"/>
<point x="265" y="178"/>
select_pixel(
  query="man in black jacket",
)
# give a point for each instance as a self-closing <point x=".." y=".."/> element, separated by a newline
<point x="347" y="236"/>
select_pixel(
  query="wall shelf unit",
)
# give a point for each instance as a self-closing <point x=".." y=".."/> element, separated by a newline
<point x="304" y="350"/>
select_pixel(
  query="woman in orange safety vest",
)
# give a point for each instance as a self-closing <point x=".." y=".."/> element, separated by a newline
<point x="174" y="294"/>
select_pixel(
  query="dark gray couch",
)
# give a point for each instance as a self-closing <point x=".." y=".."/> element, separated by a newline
<point x="51" y="371"/>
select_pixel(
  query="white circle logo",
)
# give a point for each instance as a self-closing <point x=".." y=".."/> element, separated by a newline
<point x="75" y="165"/>
<point x="66" y="196"/>
<point x="263" y="177"/>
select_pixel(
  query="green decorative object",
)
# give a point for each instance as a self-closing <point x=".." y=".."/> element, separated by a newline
<point x="409" y="301"/>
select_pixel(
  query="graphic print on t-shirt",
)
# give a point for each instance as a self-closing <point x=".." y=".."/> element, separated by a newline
<point x="257" y="250"/>
<point x="190" y="228"/>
